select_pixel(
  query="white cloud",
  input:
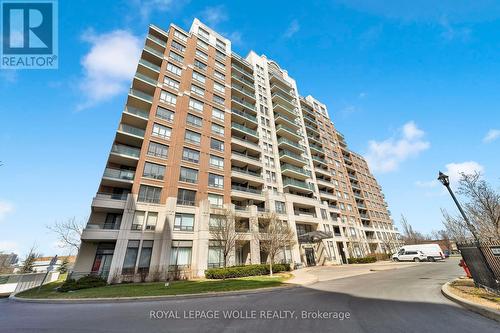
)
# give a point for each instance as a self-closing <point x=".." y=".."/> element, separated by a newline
<point x="9" y="246"/>
<point x="213" y="15"/>
<point x="146" y="7"/>
<point x="387" y="155"/>
<point x="108" y="66"/>
<point x="362" y="95"/>
<point x="491" y="136"/>
<point x="454" y="170"/>
<point x="5" y="209"/>
<point x="292" y="29"/>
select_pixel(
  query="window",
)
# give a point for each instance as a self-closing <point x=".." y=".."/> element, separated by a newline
<point x="180" y="35"/>
<point x="220" y="55"/>
<point x="153" y="170"/>
<point x="215" y="222"/>
<point x="220" y="65"/>
<point x="201" y="54"/>
<point x="130" y="257"/>
<point x="217" y="129"/>
<point x="215" y="180"/>
<point x="151" y="221"/>
<point x="280" y="207"/>
<point x="203" y="34"/>
<point x="197" y="90"/>
<point x="196" y="105"/>
<point x="164" y="114"/>
<point x="171" y="82"/>
<point x="219" y="87"/>
<point x="216" y="144"/>
<point x="190" y="155"/>
<point x="162" y="131"/>
<point x="219" y="75"/>
<point x="215" y="255"/>
<point x="200" y="64"/>
<point x="145" y="257"/>
<point x="186" y="197"/>
<point x="218" y="99"/>
<point x="217" y="114"/>
<point x="220" y="44"/>
<point x="184" y="222"/>
<point x="324" y="215"/>
<point x="138" y="220"/>
<point x="168" y="98"/>
<point x="113" y="221"/>
<point x="192" y="137"/>
<point x="178" y="46"/>
<point x="202" y="44"/>
<point x="149" y="194"/>
<point x="215" y="200"/>
<point x="176" y="57"/>
<point x="216" y="162"/>
<point x="157" y="150"/>
<point x="180" y="253"/>
<point x="193" y="120"/>
<point x="188" y="175"/>
<point x="199" y="77"/>
<point x="174" y="69"/>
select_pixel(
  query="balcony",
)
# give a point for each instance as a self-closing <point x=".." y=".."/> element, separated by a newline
<point x="243" y="80"/>
<point x="243" y="103"/>
<point x="292" y="158"/>
<point x="131" y="130"/>
<point x="253" y="177"/>
<point x="284" y="143"/>
<point x="355" y="186"/>
<point x="153" y="52"/>
<point x="243" y="192"/>
<point x="242" y="91"/>
<point x="107" y="201"/>
<point x="295" y="172"/>
<point x="328" y="195"/>
<point x="126" y="151"/>
<point x="364" y="216"/>
<point x="242" y="61"/>
<point x="276" y="78"/>
<point x="244" y="72"/>
<point x="243" y="116"/>
<point x="149" y="65"/>
<point x="325" y="183"/>
<point x="146" y="79"/>
<point x="283" y="109"/>
<point x="285" y="99"/>
<point x="144" y="114"/>
<point x="286" y="121"/>
<point x="312" y="129"/>
<point x="285" y="131"/>
<point x="157" y="40"/>
<point x="245" y="130"/>
<point x="360" y="205"/>
<point x="141" y="95"/>
<point x="307" y="117"/>
<point x="244" y="158"/>
<point x="297" y="184"/>
<point x="352" y="176"/>
<point x="316" y="148"/>
<point x="319" y="160"/>
<point x="244" y="144"/>
<point x="118" y="178"/>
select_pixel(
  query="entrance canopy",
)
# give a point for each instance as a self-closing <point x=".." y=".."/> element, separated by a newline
<point x="314" y="236"/>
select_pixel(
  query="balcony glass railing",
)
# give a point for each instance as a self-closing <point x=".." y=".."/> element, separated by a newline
<point x="319" y="159"/>
<point x="316" y="148"/>
<point x="297" y="183"/>
<point x="119" y="174"/>
<point x="138" y="112"/>
<point x="146" y="78"/>
<point x="149" y="65"/>
<point x="241" y="59"/>
<point x="242" y="70"/>
<point x="288" y="129"/>
<point x="245" y="189"/>
<point x="153" y="51"/>
<point x="246" y="142"/>
<point x="131" y="130"/>
<point x="248" y="172"/>
<point x="243" y="102"/>
<point x="291" y="143"/>
<point x="243" y="91"/>
<point x="244" y="129"/>
<point x="126" y="150"/>
<point x="276" y="106"/>
<point x="245" y="115"/>
<point x="140" y="94"/>
<point x="286" y="166"/>
<point x="242" y="79"/>
<point x="113" y="196"/>
<point x="286" y="97"/>
<point x="288" y="120"/>
<point x="280" y="79"/>
<point x="246" y="156"/>
<point x="292" y="155"/>
<point x="157" y="40"/>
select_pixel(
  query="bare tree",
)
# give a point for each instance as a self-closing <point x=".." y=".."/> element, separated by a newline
<point x="456" y="227"/>
<point x="225" y="235"/>
<point x="410" y="235"/>
<point x="276" y="236"/>
<point x="68" y="233"/>
<point x="29" y="260"/>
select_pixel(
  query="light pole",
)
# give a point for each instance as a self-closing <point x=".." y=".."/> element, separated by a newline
<point x="445" y="180"/>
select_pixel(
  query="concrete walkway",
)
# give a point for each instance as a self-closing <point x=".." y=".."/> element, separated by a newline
<point x="309" y="275"/>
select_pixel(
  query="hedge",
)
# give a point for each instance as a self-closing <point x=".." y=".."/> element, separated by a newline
<point x="241" y="271"/>
<point x="363" y="260"/>
<point x="89" y="281"/>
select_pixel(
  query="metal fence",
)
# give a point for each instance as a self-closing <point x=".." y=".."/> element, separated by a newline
<point x="483" y="260"/>
<point x="16" y="283"/>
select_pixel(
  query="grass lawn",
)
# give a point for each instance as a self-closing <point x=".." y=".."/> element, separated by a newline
<point x="466" y="289"/>
<point x="158" y="288"/>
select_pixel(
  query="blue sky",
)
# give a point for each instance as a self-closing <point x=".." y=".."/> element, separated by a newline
<point x="413" y="86"/>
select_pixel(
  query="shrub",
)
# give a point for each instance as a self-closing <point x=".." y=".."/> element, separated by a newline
<point x="363" y="260"/>
<point x="89" y="281"/>
<point x="241" y="271"/>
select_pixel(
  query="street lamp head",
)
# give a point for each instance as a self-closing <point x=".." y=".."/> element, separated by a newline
<point x="444" y="179"/>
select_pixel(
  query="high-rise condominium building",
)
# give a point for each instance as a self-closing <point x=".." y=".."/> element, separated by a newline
<point x="205" y="131"/>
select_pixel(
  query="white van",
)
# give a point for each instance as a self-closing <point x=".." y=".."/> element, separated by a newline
<point x="419" y="252"/>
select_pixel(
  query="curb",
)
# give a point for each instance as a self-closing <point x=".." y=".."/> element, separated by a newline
<point x="152" y="298"/>
<point x="480" y="309"/>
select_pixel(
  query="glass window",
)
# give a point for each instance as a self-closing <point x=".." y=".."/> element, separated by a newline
<point x="174" y="69"/>
<point x="180" y="35"/>
<point x="280" y="207"/>
<point x="151" y="221"/>
<point x="218" y="99"/>
<point x="215" y="200"/>
<point x="157" y="150"/>
<point x="324" y="215"/>
<point x="168" y="98"/>
<point x="220" y="55"/>
<point x="219" y="87"/>
<point x="171" y="82"/>
<point x="145" y="257"/>
<point x="180" y="253"/>
<point x="216" y="162"/>
<point x="215" y="255"/>
<point x="130" y="257"/>
<point x="149" y="194"/>
<point x="138" y="220"/>
<point x="201" y="54"/>
<point x="162" y="131"/>
<point x="184" y="222"/>
<point x="219" y="75"/>
<point x="196" y="105"/>
<point x="217" y="114"/>
<point x="188" y="175"/>
<point x="199" y="77"/>
<point x="200" y="64"/>
<point x="220" y="44"/>
<point x="113" y="221"/>
<point x="164" y="114"/>
<point x="215" y="180"/>
<point x="178" y="46"/>
<point x="193" y="120"/>
<point x="192" y="137"/>
<point x="153" y="170"/>
<point x="220" y="65"/>
<point x="197" y="90"/>
<point x="202" y="44"/>
<point x="216" y="144"/>
<point x="176" y="57"/>
<point x="217" y="129"/>
<point x="190" y="155"/>
<point x="215" y="221"/>
<point x="186" y="197"/>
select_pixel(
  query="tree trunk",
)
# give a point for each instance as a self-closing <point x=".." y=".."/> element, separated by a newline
<point x="271" y="267"/>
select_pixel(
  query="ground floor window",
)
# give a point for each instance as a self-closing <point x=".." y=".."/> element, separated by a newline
<point x="215" y="255"/>
<point x="180" y="254"/>
<point x="130" y="257"/>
